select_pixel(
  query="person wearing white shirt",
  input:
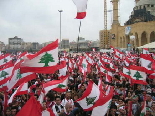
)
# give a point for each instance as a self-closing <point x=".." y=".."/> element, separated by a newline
<point x="67" y="99"/>
<point x="57" y="107"/>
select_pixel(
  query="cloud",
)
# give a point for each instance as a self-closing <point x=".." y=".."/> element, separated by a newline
<point x="39" y="20"/>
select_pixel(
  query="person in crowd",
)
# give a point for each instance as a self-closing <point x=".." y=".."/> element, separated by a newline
<point x="14" y="110"/>
<point x="57" y="107"/>
<point x="67" y="99"/>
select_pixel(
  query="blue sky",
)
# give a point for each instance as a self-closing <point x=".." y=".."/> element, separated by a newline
<point x="39" y="20"/>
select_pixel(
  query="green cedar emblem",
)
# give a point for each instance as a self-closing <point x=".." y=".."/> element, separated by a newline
<point x="137" y="75"/>
<point x="90" y="100"/>
<point x="19" y="76"/>
<point x="61" y="86"/>
<point x="105" y="71"/>
<point x="149" y="65"/>
<point x="128" y="72"/>
<point x="84" y="65"/>
<point x="3" y="74"/>
<point x="46" y="59"/>
<point x="5" y="60"/>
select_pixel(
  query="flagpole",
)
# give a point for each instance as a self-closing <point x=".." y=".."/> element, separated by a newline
<point x="78" y="37"/>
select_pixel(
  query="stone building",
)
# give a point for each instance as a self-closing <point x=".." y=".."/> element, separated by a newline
<point x="138" y="30"/>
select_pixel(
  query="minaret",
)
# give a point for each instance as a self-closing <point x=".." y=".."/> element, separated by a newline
<point x="115" y="12"/>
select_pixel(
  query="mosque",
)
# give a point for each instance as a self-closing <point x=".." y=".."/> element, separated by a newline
<point x="138" y="30"/>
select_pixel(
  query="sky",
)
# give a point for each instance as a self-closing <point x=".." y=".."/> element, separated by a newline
<point x="39" y="20"/>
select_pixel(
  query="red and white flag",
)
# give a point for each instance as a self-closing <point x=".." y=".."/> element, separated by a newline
<point x="17" y="78"/>
<point x="89" y="97"/>
<point x="146" y="61"/>
<point x="31" y="108"/>
<point x="138" y="74"/>
<point x="103" y="104"/>
<point x="81" y="8"/>
<point x="5" y="73"/>
<point x="22" y="89"/>
<point x="44" y="61"/>
<point x="145" y="51"/>
<point x="56" y="85"/>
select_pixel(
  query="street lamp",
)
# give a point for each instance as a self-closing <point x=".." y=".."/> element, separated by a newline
<point x="60" y="11"/>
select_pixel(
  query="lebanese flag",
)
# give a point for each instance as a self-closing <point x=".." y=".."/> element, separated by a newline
<point x="146" y="61"/>
<point x="152" y="76"/>
<point x="4" y="59"/>
<point x="109" y="76"/>
<point x="81" y="8"/>
<point x="85" y="65"/>
<point x="118" y="53"/>
<point x="44" y="61"/>
<point x="89" y="97"/>
<point x="63" y="71"/>
<point x="89" y="59"/>
<point x="22" y="89"/>
<point x="48" y="112"/>
<point x="126" y="72"/>
<point x="138" y="74"/>
<point x="5" y="73"/>
<point x="127" y="61"/>
<point x="31" y="108"/>
<point x="56" y="85"/>
<point x="145" y="51"/>
<point x="71" y="65"/>
<point x="17" y="78"/>
<point x="103" y="104"/>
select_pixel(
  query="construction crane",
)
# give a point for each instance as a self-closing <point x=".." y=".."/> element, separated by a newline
<point x="106" y="39"/>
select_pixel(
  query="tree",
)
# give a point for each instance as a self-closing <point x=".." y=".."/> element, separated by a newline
<point x="61" y="86"/>
<point x="90" y="100"/>
<point x="137" y="75"/>
<point x="46" y="59"/>
<point x="19" y="76"/>
<point x="3" y="74"/>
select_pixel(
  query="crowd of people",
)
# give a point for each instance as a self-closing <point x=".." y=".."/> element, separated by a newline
<point x="128" y="98"/>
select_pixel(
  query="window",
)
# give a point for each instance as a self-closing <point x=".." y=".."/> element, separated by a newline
<point x="152" y="5"/>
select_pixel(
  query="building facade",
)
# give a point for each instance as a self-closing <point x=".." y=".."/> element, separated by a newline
<point x="15" y="43"/>
<point x="138" y="30"/>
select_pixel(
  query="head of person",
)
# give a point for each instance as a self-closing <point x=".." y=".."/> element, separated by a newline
<point x="8" y="111"/>
<point x="148" y="97"/>
<point x="36" y="96"/>
<point x="68" y="107"/>
<point x="14" y="110"/>
<point x="58" y="100"/>
<point x="50" y="96"/>
<point x="113" y="110"/>
<point x="68" y="95"/>
<point x="148" y="111"/>
<point x="44" y="105"/>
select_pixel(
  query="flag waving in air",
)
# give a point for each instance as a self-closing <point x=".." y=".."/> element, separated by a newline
<point x="81" y="8"/>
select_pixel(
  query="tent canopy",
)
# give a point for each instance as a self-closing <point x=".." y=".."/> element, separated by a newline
<point x="149" y="45"/>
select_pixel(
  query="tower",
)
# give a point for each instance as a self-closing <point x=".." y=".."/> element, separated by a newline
<point x="115" y="12"/>
<point x="115" y="24"/>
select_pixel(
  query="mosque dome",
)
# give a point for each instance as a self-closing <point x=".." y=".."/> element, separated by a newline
<point x="145" y="2"/>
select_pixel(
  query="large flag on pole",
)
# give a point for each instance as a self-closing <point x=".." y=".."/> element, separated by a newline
<point x="81" y="8"/>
